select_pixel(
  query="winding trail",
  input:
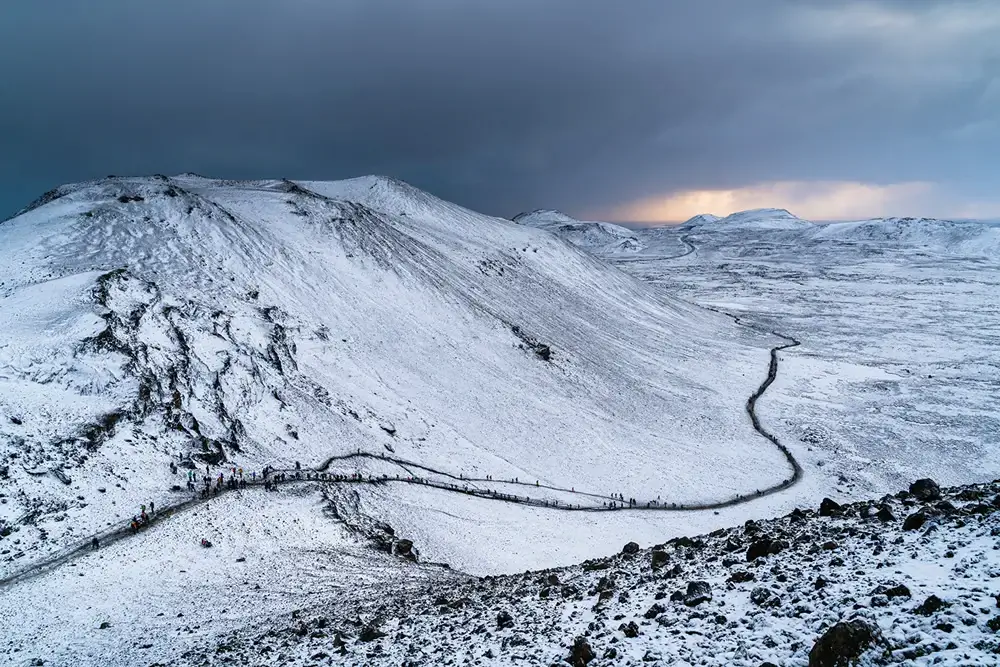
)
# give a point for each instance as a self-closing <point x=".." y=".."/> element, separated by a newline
<point x="447" y="481"/>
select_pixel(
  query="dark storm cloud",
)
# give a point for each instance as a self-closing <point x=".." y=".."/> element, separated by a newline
<point x="501" y="105"/>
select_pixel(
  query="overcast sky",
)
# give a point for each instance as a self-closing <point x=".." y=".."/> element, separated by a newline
<point x="638" y="110"/>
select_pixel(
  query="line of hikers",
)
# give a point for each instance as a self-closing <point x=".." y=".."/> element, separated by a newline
<point x="139" y="521"/>
<point x="270" y="478"/>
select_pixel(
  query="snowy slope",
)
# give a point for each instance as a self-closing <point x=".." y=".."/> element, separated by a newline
<point x="959" y="237"/>
<point x="250" y="323"/>
<point x="917" y="573"/>
<point x="600" y="237"/>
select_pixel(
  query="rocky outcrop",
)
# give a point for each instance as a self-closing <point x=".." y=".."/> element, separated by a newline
<point x="845" y="644"/>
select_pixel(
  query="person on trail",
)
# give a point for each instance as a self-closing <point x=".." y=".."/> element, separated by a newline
<point x="298" y="466"/>
<point x="152" y="507"/>
<point x="94" y="543"/>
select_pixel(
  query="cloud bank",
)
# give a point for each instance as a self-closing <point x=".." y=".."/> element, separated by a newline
<point x="572" y="104"/>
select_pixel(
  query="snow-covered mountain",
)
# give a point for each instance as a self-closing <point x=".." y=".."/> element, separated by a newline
<point x="600" y="237"/>
<point x="156" y="320"/>
<point x="760" y="218"/>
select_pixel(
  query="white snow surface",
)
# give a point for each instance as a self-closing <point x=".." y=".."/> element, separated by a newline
<point x="600" y="237"/>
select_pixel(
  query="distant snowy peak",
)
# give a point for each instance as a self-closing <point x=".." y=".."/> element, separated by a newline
<point x="599" y="237"/>
<point x="701" y="219"/>
<point x="763" y="218"/>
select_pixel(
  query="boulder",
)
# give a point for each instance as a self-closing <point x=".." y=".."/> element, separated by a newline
<point x="654" y="611"/>
<point x="914" y="521"/>
<point x="370" y="633"/>
<point x="697" y="592"/>
<point x="504" y="620"/>
<point x="885" y="514"/>
<point x="740" y="576"/>
<point x="658" y="559"/>
<point x="631" y="630"/>
<point x="847" y="643"/>
<point x="758" y="549"/>
<point x="404" y="548"/>
<point x="829" y="508"/>
<point x="580" y="654"/>
<point x="630" y="549"/>
<point x="931" y="605"/>
<point x="925" y="490"/>
<point x="899" y="591"/>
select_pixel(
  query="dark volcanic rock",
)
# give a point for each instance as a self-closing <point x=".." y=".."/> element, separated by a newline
<point x="844" y="644"/>
<point x="931" y="605"/>
<point x="697" y="592"/>
<point x="758" y="549"/>
<point x="580" y="654"/>
<point x="899" y="591"/>
<point x="504" y="620"/>
<point x="760" y="595"/>
<point x="740" y="576"/>
<point x="914" y="521"/>
<point x="925" y="490"/>
<point x="655" y="611"/>
<point x="829" y="508"/>
<point x="631" y="630"/>
<point x="630" y="548"/>
<point x="658" y="559"/>
<point x="370" y="633"/>
<point x="885" y="514"/>
<point x="404" y="548"/>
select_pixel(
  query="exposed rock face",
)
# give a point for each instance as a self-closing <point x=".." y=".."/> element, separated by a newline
<point x="845" y="644"/>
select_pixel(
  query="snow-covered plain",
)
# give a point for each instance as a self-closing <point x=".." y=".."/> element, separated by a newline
<point x="150" y="320"/>
<point x="896" y="376"/>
